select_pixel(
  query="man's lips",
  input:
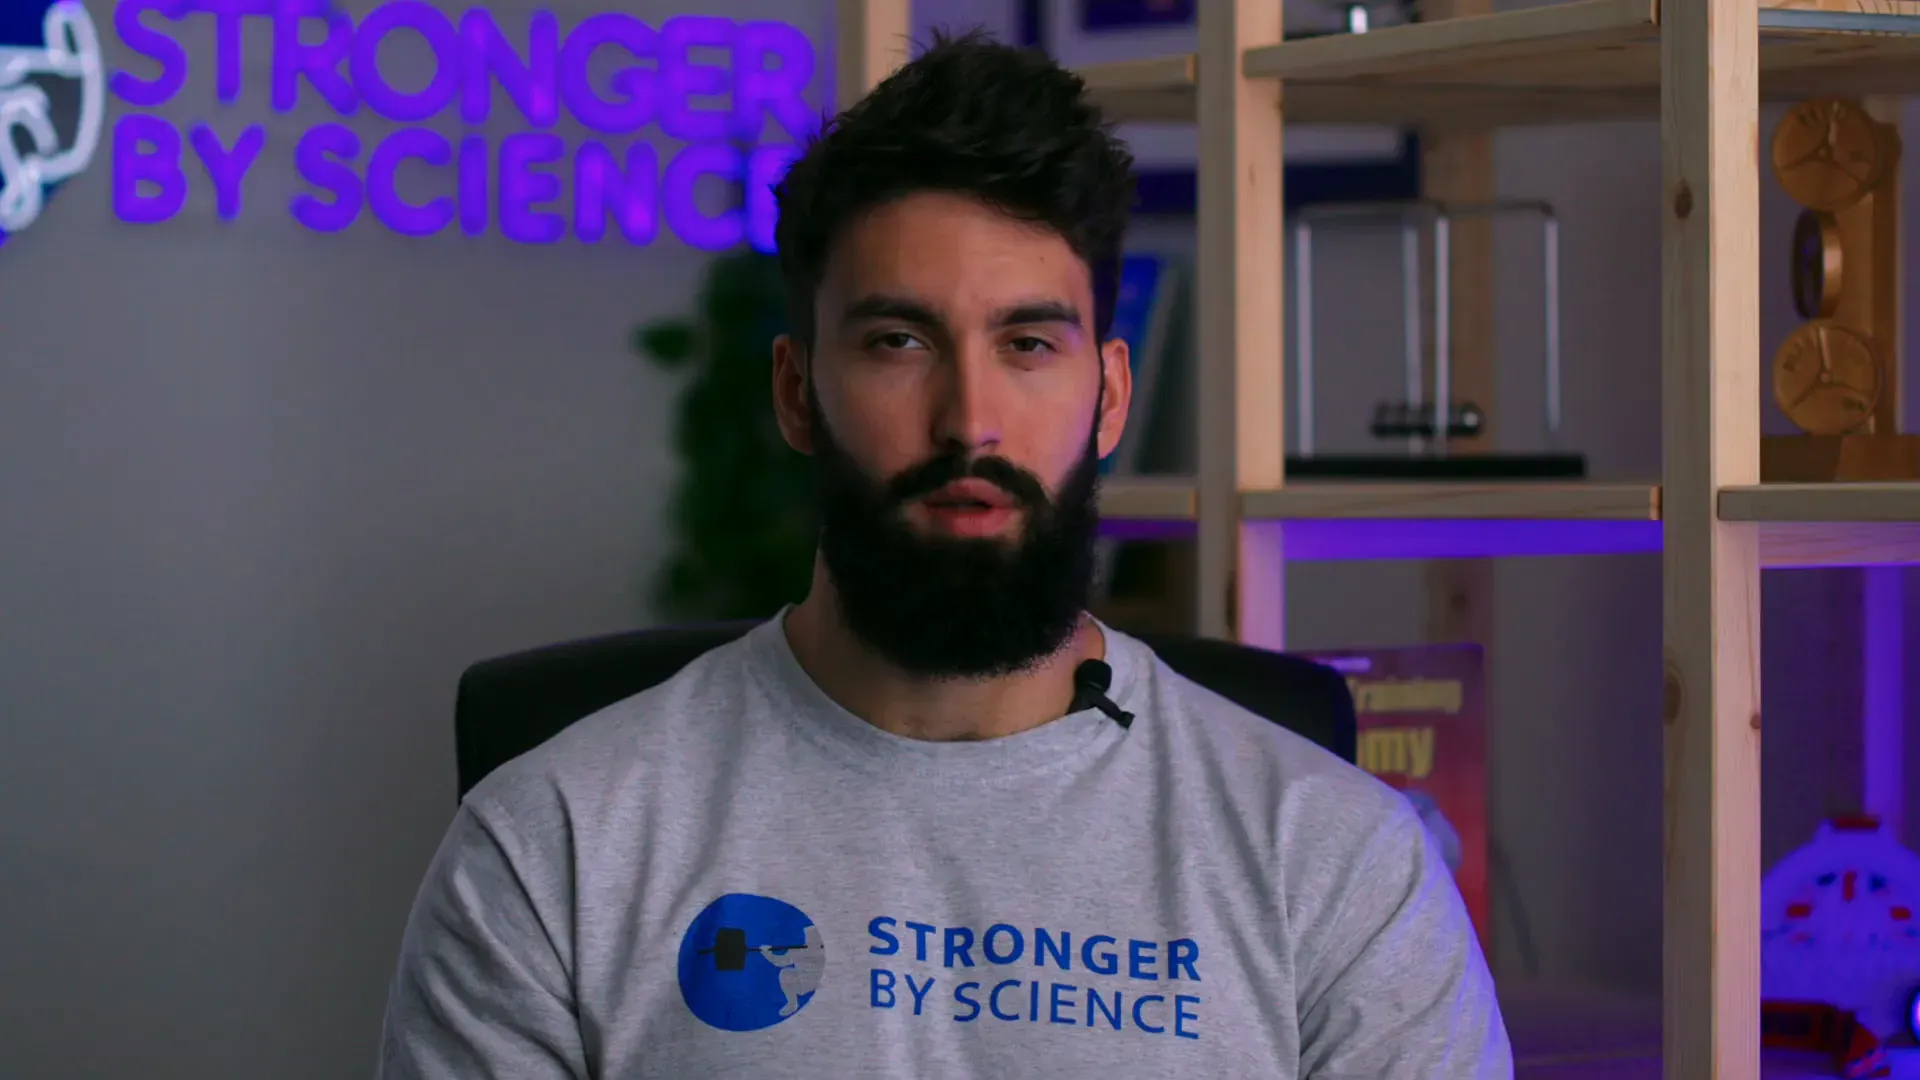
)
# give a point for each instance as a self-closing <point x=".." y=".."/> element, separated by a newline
<point x="970" y="495"/>
<point x="971" y="508"/>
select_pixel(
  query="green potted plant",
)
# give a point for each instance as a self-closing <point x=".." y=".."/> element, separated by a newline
<point x="742" y="511"/>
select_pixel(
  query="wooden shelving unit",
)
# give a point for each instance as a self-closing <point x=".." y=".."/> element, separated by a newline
<point x="1702" y="68"/>
<point x="1575" y="61"/>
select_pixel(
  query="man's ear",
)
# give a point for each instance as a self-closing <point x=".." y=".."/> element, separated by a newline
<point x="791" y="372"/>
<point x="1116" y="377"/>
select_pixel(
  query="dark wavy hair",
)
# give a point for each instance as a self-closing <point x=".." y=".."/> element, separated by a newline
<point x="968" y="116"/>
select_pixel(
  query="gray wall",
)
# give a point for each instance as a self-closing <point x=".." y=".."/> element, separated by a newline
<point x="267" y="493"/>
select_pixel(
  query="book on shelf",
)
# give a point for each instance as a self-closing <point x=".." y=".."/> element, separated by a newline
<point x="1422" y="730"/>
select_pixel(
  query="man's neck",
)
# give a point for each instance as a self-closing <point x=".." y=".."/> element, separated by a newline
<point x="937" y="710"/>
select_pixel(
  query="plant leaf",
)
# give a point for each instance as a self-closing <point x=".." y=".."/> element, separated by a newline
<point x="742" y="509"/>
<point x="669" y="342"/>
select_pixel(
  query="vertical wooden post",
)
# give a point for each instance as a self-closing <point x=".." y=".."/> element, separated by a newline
<point x="1882" y="614"/>
<point x="1870" y="293"/>
<point x="1457" y="166"/>
<point x="1241" y="314"/>
<point x="871" y="41"/>
<point x="1710" y="418"/>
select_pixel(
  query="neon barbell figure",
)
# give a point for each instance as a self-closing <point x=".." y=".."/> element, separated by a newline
<point x="69" y="48"/>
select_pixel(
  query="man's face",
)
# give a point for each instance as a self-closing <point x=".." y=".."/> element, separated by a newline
<point x="957" y="404"/>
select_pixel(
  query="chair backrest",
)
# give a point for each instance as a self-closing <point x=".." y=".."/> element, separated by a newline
<point x="511" y="704"/>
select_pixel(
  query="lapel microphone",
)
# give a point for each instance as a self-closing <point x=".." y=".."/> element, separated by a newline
<point x="1090" y="682"/>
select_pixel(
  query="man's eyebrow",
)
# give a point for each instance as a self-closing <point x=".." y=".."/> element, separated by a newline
<point x="919" y="313"/>
<point x="1030" y="312"/>
<point x="897" y="308"/>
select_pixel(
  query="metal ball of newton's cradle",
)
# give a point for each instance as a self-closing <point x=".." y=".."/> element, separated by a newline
<point x="1399" y="419"/>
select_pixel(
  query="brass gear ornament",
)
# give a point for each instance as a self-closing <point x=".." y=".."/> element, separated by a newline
<point x="1827" y="378"/>
<point x="1829" y="154"/>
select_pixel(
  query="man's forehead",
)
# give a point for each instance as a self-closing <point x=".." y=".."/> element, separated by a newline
<point x="964" y="262"/>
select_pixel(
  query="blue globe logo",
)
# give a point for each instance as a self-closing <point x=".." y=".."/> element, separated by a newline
<point x="749" y="962"/>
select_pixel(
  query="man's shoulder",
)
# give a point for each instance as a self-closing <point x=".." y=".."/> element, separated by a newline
<point x="629" y="744"/>
<point x="1338" y="842"/>
<point x="1273" y="747"/>
<point x="1315" y="800"/>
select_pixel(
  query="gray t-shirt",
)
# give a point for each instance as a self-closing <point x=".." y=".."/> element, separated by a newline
<point x="731" y="876"/>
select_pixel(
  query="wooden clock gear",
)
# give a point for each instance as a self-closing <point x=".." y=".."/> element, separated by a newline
<point x="1835" y="376"/>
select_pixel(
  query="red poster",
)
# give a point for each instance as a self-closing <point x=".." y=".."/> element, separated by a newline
<point x="1422" y="713"/>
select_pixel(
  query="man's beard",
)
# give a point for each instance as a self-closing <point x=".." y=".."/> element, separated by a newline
<point x="956" y="607"/>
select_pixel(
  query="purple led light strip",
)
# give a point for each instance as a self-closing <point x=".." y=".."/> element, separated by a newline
<point x="1318" y="540"/>
<point x="1360" y="539"/>
<point x="618" y="184"/>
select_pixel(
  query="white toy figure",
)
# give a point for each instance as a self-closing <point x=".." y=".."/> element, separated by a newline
<point x="1837" y="923"/>
<point x="61" y="45"/>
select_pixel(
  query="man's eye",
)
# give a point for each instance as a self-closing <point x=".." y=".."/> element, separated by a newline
<point x="895" y="340"/>
<point x="1030" y="345"/>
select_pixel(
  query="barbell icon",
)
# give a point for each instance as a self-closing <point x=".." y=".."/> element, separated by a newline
<point x="730" y="949"/>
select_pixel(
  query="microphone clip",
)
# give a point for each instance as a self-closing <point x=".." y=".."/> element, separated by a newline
<point x="1090" y="682"/>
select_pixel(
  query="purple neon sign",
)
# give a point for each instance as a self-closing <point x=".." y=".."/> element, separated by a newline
<point x="619" y="185"/>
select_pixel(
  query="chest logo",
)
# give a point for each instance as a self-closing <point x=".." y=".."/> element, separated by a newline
<point x="750" y="962"/>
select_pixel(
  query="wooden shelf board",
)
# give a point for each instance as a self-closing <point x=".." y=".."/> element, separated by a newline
<point x="1802" y="525"/>
<point x="1806" y="525"/>
<point x="1156" y="89"/>
<point x="1574" y="501"/>
<point x="1149" y="499"/>
<point x="1583" y="60"/>
<point x="1173" y="499"/>
<point x="1831" y="503"/>
<point x="1349" y="522"/>
<point x="1328" y="521"/>
<point x="1572" y="62"/>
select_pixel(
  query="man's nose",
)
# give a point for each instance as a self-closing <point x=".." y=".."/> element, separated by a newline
<point x="967" y="415"/>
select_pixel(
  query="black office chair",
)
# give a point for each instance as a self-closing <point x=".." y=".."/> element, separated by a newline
<point x="511" y="704"/>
